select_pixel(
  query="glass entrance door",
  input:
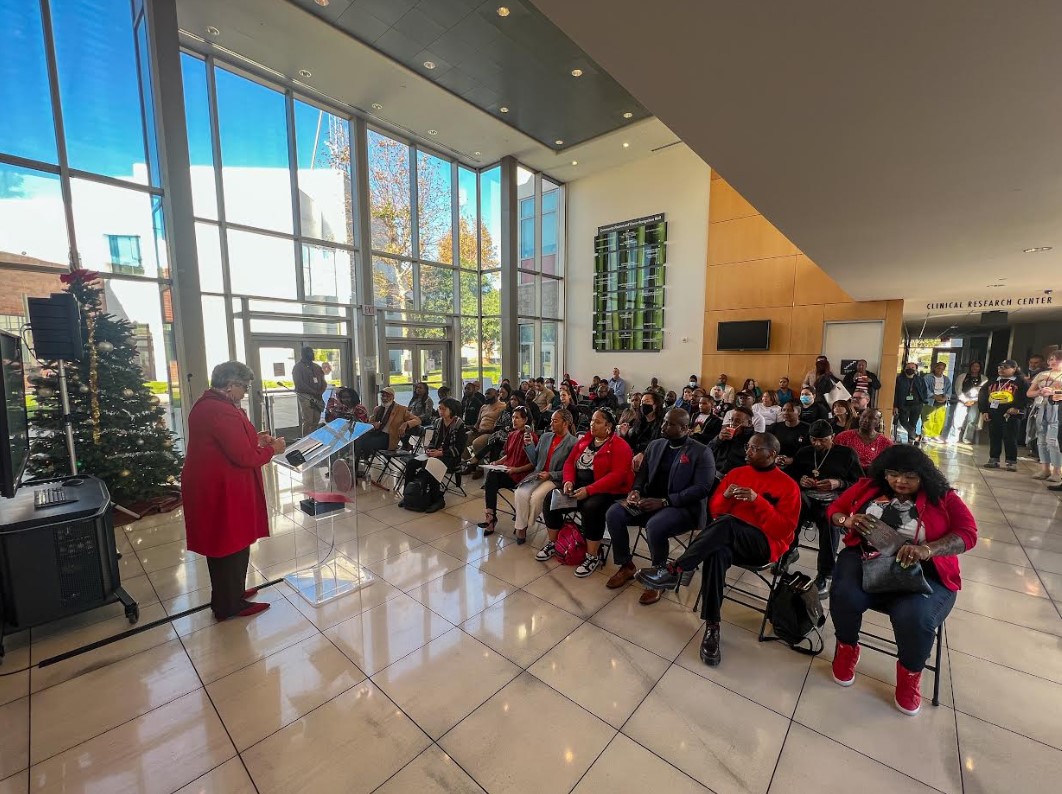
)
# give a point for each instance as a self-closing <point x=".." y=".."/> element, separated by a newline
<point x="410" y="363"/>
<point x="276" y="407"/>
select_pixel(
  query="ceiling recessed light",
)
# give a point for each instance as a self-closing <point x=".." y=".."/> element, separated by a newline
<point x="503" y="109"/>
<point x="628" y="115"/>
<point x="503" y="11"/>
<point x="1038" y="250"/>
<point x="305" y="73"/>
<point x="429" y="64"/>
<point x="322" y="2"/>
<point x="433" y="132"/>
<point x="626" y="145"/>
<point x="212" y="31"/>
<point x="559" y="142"/>
<point x="377" y="106"/>
<point x="577" y="72"/>
<point x="575" y="162"/>
<point x="477" y="154"/>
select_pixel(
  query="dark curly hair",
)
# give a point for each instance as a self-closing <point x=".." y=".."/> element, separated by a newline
<point x="902" y="457"/>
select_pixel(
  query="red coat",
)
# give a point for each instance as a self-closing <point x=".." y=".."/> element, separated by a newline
<point x="950" y="515"/>
<point x="612" y="466"/>
<point x="221" y="484"/>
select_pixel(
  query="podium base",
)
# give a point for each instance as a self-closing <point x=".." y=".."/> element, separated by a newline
<point x="329" y="580"/>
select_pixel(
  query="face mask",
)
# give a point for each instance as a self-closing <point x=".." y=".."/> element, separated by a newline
<point x="909" y="372"/>
<point x="805" y="399"/>
<point x="646" y="410"/>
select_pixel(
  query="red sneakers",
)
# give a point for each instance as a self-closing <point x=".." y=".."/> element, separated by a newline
<point x="845" y="659"/>
<point x="908" y="690"/>
<point x="253" y="609"/>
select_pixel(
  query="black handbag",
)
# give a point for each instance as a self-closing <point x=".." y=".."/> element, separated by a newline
<point x="883" y="574"/>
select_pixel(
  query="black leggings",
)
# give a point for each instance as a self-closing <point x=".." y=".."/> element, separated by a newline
<point x="592" y="509"/>
<point x="494" y="482"/>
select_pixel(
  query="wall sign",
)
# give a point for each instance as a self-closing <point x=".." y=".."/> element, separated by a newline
<point x="629" y="261"/>
<point x="993" y="303"/>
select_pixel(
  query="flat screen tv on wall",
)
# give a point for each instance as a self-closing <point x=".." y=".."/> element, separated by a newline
<point x="744" y="335"/>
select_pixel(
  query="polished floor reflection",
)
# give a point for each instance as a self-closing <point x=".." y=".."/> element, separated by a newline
<point x="468" y="666"/>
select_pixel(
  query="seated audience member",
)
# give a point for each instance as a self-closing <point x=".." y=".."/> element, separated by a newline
<point x="842" y="417"/>
<point x="908" y="494"/>
<point x="745" y="400"/>
<point x="604" y="398"/>
<point x="767" y="408"/>
<point x="447" y="441"/>
<point x="516" y="465"/>
<point x="755" y="512"/>
<point x="548" y="459"/>
<point x="860" y="402"/>
<point x="867" y="439"/>
<point x="596" y="474"/>
<point x="488" y="448"/>
<point x="728" y="392"/>
<point x="443" y="392"/>
<point x="572" y="384"/>
<point x="721" y="406"/>
<point x="421" y="412"/>
<point x="685" y="402"/>
<point x="705" y="425"/>
<point x="812" y="408"/>
<point x="821" y="380"/>
<point x="471" y="402"/>
<point x="386" y="421"/>
<point x="543" y="395"/>
<point x="645" y="427"/>
<point x="669" y="400"/>
<point x="784" y="393"/>
<point x="1003" y="403"/>
<point x="823" y="470"/>
<point x="692" y="382"/>
<point x="487" y="419"/>
<point x="792" y="434"/>
<point x="668" y="498"/>
<point x="344" y="404"/>
<point x="618" y="386"/>
<point x="571" y="405"/>
<point x="594" y="383"/>
<point x="698" y="393"/>
<point x="729" y="446"/>
<point x="654" y="387"/>
<point x="860" y="381"/>
<point x="752" y="387"/>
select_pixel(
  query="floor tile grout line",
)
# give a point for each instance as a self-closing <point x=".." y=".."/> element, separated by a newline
<point x="789" y="724"/>
<point x="994" y="663"/>
<point x="979" y="718"/>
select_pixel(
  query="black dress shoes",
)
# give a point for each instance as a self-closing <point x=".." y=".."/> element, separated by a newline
<point x="663" y="577"/>
<point x="710" y="645"/>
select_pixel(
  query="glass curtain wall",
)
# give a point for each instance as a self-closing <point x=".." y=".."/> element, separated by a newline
<point x="79" y="169"/>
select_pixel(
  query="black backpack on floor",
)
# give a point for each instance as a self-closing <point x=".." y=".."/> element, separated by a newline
<point x="422" y="494"/>
<point x="796" y="613"/>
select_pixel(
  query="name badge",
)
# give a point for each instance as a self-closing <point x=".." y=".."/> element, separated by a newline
<point x="993" y="404"/>
<point x="909" y="398"/>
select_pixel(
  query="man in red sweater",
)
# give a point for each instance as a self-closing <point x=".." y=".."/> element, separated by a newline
<point x="756" y="509"/>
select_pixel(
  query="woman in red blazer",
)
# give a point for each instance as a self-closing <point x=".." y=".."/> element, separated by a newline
<point x="224" y="500"/>
<point x="597" y="473"/>
<point x="907" y="492"/>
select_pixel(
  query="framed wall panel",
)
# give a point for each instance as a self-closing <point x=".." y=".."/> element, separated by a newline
<point x="629" y="280"/>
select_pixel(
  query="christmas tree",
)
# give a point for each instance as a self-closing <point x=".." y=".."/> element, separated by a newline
<point x="120" y="434"/>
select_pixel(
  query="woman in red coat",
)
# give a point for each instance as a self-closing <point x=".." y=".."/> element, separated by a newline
<point x="224" y="499"/>
<point x="597" y="473"/>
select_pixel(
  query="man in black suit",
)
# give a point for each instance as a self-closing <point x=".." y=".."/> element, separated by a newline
<point x="669" y="497"/>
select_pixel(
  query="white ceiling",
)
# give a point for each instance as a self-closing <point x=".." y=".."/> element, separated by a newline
<point x="285" y="39"/>
<point x="911" y="148"/>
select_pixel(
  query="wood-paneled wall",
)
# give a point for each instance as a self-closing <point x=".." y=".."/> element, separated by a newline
<point x="754" y="272"/>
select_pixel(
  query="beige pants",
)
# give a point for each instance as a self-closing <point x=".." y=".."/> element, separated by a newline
<point x="529" y="497"/>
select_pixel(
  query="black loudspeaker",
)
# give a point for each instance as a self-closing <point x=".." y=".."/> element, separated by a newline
<point x="56" y="326"/>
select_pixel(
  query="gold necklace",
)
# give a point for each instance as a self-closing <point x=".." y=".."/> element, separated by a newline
<point x="818" y="463"/>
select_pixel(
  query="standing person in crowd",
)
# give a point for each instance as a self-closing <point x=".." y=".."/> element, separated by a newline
<point x="597" y="473"/>
<point x="967" y="416"/>
<point x="1036" y="365"/>
<point x="421" y="412"/>
<point x="685" y="402"/>
<point x="668" y="498"/>
<point x="860" y="402"/>
<point x="746" y="400"/>
<point x="1045" y="391"/>
<point x="447" y="442"/>
<point x="387" y="421"/>
<point x="908" y="399"/>
<point x="728" y="391"/>
<point x="811" y="407"/>
<point x="861" y="380"/>
<point x="768" y="409"/>
<point x="618" y="386"/>
<point x="224" y="497"/>
<point x="752" y="387"/>
<point x="646" y="426"/>
<point x="1003" y="401"/>
<point x="823" y="470"/>
<point x="345" y="404"/>
<point x="934" y="412"/>
<point x="821" y="380"/>
<point x="654" y="387"/>
<point x="906" y="493"/>
<point x="705" y="425"/>
<point x="730" y="445"/>
<point x="548" y="459"/>
<point x="310" y="387"/>
<point x="867" y="439"/>
<point x="721" y="406"/>
<point x="516" y="463"/>
<point x="792" y="434"/>
<point x="471" y="402"/>
<point x="843" y="418"/>
<point x="755" y="509"/>
<point x="784" y="393"/>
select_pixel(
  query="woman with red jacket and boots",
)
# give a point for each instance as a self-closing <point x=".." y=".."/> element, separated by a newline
<point x="908" y="494"/>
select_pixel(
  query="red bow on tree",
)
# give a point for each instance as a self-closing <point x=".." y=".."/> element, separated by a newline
<point x="79" y="277"/>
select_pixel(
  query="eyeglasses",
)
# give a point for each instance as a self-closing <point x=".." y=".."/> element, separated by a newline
<point x="902" y="475"/>
<point x="757" y="448"/>
<point x="243" y="384"/>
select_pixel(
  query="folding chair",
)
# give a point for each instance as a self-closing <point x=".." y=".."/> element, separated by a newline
<point x="933" y="668"/>
<point x="683" y="544"/>
<point x="394" y="462"/>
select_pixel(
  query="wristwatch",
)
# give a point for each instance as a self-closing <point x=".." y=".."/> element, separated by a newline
<point x="665" y="503"/>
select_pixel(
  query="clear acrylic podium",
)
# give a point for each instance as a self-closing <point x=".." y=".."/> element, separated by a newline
<point x="321" y="572"/>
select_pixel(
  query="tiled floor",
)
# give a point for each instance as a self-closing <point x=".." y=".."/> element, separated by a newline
<point x="469" y="666"/>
